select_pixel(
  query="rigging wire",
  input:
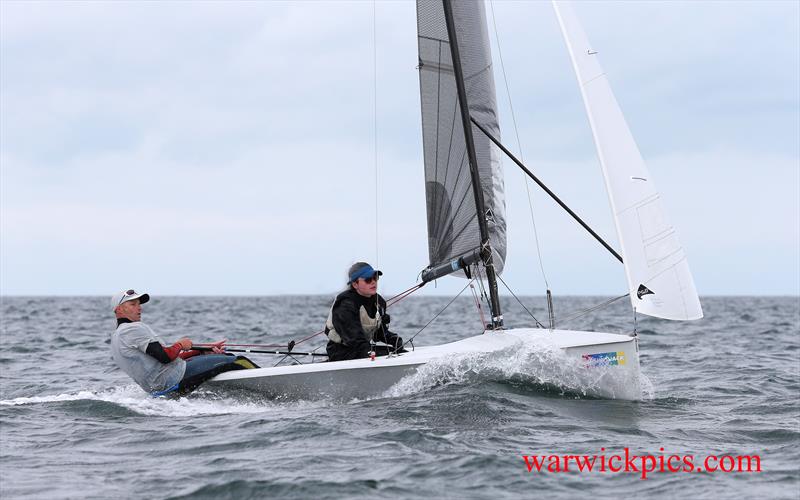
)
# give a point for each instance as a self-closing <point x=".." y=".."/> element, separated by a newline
<point x="591" y="309"/>
<point x="443" y="309"/>
<point x="519" y="146"/>
<point x="538" y="323"/>
<point x="375" y="116"/>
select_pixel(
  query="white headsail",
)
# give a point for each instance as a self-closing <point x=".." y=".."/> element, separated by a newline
<point x="659" y="280"/>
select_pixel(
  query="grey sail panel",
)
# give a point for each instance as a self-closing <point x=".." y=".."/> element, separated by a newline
<point x="452" y="218"/>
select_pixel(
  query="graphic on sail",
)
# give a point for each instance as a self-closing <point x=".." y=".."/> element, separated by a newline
<point x="659" y="280"/>
<point x="452" y="217"/>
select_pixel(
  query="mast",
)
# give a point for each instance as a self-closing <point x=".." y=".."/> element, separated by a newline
<point x="477" y="190"/>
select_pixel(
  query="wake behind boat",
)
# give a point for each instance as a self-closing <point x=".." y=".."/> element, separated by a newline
<point x="465" y="201"/>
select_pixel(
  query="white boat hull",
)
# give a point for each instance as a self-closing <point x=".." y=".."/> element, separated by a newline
<point x="590" y="363"/>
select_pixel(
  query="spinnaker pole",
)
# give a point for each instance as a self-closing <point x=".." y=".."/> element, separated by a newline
<point x="547" y="190"/>
<point x="477" y="190"/>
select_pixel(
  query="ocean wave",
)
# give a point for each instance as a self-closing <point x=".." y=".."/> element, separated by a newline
<point x="132" y="398"/>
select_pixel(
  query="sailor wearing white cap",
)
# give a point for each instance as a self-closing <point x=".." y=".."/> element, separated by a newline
<point x="156" y="367"/>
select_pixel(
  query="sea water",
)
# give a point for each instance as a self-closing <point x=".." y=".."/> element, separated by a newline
<point x="73" y="426"/>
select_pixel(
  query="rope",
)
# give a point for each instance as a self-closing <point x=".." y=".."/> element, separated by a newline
<point x="400" y="296"/>
<point x="392" y="301"/>
<point x="440" y="312"/>
<point x="539" y="324"/>
<point x="478" y="305"/>
<point x="481" y="287"/>
<point x="276" y="345"/>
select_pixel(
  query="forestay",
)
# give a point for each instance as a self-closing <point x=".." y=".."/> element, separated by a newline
<point x="659" y="280"/>
<point x="452" y="218"/>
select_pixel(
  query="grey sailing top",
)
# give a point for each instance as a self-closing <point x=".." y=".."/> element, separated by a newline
<point x="128" y="347"/>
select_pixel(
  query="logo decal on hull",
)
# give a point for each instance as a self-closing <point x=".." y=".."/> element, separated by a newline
<point x="604" y="359"/>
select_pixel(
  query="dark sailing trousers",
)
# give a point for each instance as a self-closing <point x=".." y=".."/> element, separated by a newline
<point x="340" y="352"/>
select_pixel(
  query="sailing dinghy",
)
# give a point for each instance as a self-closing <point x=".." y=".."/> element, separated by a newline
<point x="466" y="219"/>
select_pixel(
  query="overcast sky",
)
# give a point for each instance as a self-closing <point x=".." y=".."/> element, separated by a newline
<point x="228" y="148"/>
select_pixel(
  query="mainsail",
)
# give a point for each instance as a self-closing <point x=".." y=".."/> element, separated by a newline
<point x="453" y="230"/>
<point x="659" y="280"/>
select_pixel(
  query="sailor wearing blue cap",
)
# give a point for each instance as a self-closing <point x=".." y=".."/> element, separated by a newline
<point x="358" y="318"/>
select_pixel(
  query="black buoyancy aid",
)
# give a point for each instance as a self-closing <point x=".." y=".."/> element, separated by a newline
<point x="365" y="305"/>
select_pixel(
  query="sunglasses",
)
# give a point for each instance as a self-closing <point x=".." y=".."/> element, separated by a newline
<point x="369" y="281"/>
<point x="127" y="294"/>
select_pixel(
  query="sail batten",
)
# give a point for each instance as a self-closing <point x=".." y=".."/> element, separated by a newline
<point x="656" y="268"/>
<point x="453" y="225"/>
